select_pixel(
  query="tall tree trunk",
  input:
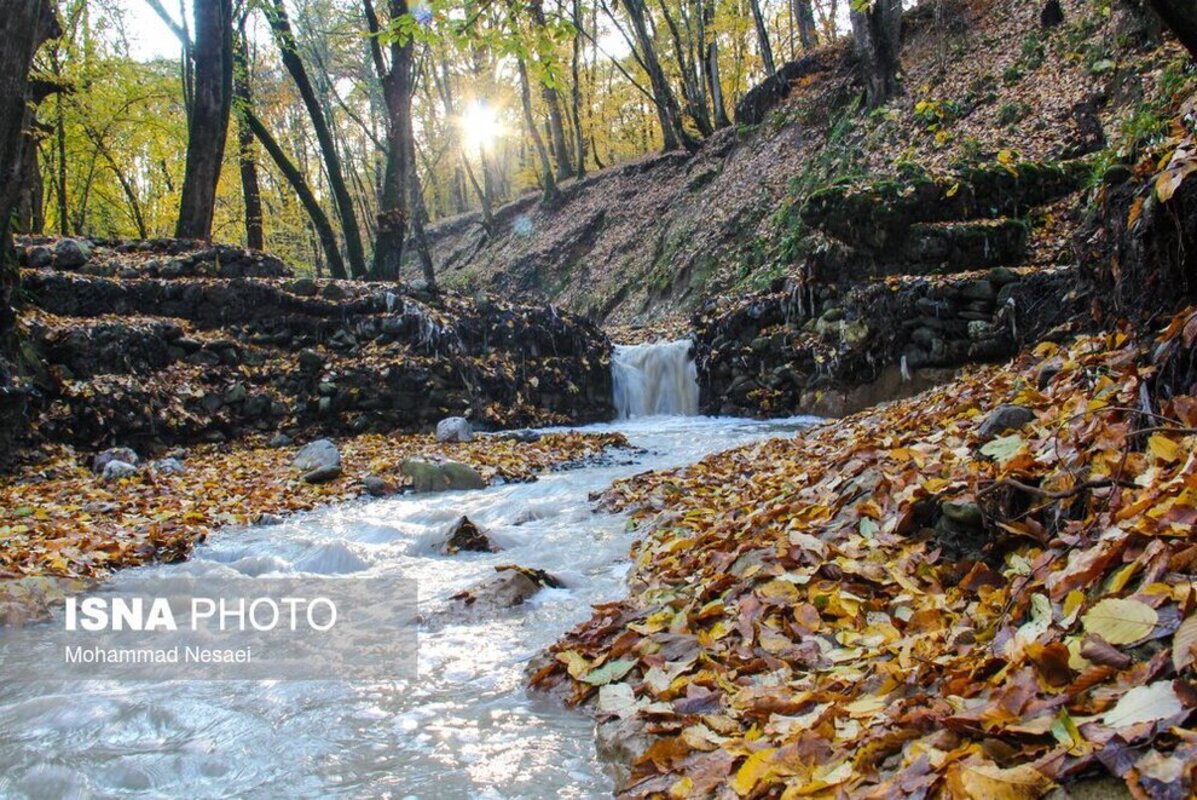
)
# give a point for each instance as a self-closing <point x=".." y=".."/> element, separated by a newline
<point x="762" y="37"/>
<point x="690" y="85"/>
<point x="551" y="194"/>
<point x="246" y="158"/>
<point x="1181" y="17"/>
<point x="552" y="101"/>
<point x="24" y="25"/>
<point x="878" y="38"/>
<point x="667" y="108"/>
<point x="285" y="38"/>
<point x="576" y="93"/>
<point x="60" y="160"/>
<point x="324" y="229"/>
<point x="711" y="64"/>
<point x="804" y="18"/>
<point x="396" y="183"/>
<point x="419" y="215"/>
<point x="209" y="117"/>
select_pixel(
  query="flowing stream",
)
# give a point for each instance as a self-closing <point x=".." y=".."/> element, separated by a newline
<point x="466" y="728"/>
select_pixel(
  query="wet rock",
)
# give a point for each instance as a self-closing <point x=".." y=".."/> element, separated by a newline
<point x="316" y="455"/>
<point x="39" y="256"/>
<point x="123" y="454"/>
<point x="465" y="536"/>
<point x="454" y="429"/>
<point x="1003" y="418"/>
<point x="428" y="476"/>
<point x="268" y="519"/>
<point x="377" y="487"/>
<point x="71" y="253"/>
<point x="1047" y="371"/>
<point x="115" y="470"/>
<point x="511" y="587"/>
<point x="323" y="474"/>
<point x="524" y="436"/>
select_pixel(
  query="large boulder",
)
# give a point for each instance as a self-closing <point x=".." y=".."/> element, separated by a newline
<point x="317" y="455"/>
<point x="71" y="253"/>
<point x="442" y="476"/>
<point x="323" y="474"/>
<point x="454" y="429"/>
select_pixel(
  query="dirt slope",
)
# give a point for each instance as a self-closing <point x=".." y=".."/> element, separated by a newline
<point x="985" y="85"/>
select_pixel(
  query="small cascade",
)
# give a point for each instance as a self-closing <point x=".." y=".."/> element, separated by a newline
<point x="654" y="379"/>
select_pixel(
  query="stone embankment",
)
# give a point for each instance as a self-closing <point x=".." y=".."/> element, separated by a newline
<point x="162" y="343"/>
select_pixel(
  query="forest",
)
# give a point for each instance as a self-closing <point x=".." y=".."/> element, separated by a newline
<point x="589" y="398"/>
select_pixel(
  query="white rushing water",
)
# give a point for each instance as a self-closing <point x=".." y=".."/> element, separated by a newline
<point x="654" y="379"/>
<point x="465" y="729"/>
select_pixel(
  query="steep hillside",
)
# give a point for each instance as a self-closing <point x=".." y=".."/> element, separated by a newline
<point x="987" y="87"/>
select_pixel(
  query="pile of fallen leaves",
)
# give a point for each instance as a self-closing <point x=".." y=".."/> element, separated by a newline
<point x="61" y="520"/>
<point x="900" y="605"/>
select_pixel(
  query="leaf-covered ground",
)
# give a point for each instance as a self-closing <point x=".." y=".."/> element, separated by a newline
<point x="899" y="605"/>
<point x="61" y="520"/>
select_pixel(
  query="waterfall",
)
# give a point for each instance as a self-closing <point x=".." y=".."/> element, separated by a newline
<point x="652" y="379"/>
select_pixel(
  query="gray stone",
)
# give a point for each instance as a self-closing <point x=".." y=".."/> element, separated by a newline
<point x="925" y="337"/>
<point x="115" y="470"/>
<point x="334" y="292"/>
<point x="128" y="273"/>
<point x="979" y="329"/>
<point x="324" y="474"/>
<point x="123" y="454"/>
<point x="1003" y="418"/>
<point x="454" y="429"/>
<point x="979" y="290"/>
<point x="280" y="440"/>
<point x="172" y="466"/>
<point x="522" y="435"/>
<point x="235" y="394"/>
<point x="377" y="487"/>
<point x="1000" y="276"/>
<point x="317" y="454"/>
<point x="854" y="333"/>
<point x="310" y="360"/>
<point x="304" y="287"/>
<point x="71" y="253"/>
<point x="268" y="519"/>
<point x="39" y="256"/>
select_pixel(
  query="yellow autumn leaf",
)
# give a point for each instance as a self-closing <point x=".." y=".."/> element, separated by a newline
<point x="1164" y="448"/>
<point x="752" y="771"/>
<point x="1120" y="621"/>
